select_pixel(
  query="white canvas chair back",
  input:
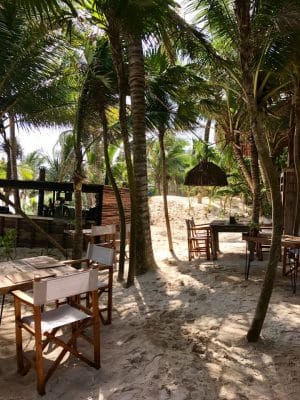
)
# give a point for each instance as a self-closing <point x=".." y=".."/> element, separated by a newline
<point x="66" y="286"/>
<point x="101" y="255"/>
<point x="99" y="230"/>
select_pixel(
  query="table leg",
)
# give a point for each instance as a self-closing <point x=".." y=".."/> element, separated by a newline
<point x="294" y="265"/>
<point x="214" y="244"/>
<point x="2" y="305"/>
<point x="248" y="260"/>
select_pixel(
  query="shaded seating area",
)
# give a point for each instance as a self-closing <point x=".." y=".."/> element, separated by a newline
<point x="291" y="252"/>
<point x="198" y="239"/>
<point x="44" y="325"/>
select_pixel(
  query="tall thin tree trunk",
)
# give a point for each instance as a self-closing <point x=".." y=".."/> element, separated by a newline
<point x="255" y="180"/>
<point x="207" y="130"/>
<point x="165" y="188"/>
<point x="297" y="149"/>
<point x="13" y="156"/>
<point x="242" y="11"/>
<point x="78" y="175"/>
<point x="115" y="189"/>
<point x="144" y="251"/>
<point x="117" y="55"/>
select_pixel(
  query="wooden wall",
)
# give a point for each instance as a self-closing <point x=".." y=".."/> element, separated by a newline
<point x="110" y="214"/>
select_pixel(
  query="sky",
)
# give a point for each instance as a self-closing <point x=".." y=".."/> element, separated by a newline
<point x="36" y="139"/>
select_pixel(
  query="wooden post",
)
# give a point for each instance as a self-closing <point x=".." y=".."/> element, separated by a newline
<point x="42" y="175"/>
<point x="288" y="189"/>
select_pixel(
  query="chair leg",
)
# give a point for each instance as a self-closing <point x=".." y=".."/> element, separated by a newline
<point x="96" y="331"/>
<point x="207" y="251"/>
<point x="19" y="346"/>
<point x="109" y="298"/>
<point x="39" y="364"/>
<point x="285" y="254"/>
<point x="2" y="306"/>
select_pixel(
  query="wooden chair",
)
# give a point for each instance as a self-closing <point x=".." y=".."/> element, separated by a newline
<point x="102" y="234"/>
<point x="291" y="264"/>
<point x="103" y="258"/>
<point x="260" y="247"/>
<point x="199" y="239"/>
<point x="45" y="325"/>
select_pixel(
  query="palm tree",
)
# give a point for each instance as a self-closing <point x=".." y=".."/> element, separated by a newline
<point x="165" y="85"/>
<point x="251" y="30"/>
<point x="32" y="87"/>
<point x="132" y="20"/>
<point x="60" y="164"/>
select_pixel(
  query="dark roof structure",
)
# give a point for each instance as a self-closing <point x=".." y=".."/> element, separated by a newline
<point x="206" y="174"/>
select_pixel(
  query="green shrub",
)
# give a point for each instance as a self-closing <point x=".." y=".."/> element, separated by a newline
<point x="8" y="243"/>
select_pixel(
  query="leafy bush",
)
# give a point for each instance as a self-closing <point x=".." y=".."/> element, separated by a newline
<point x="8" y="243"/>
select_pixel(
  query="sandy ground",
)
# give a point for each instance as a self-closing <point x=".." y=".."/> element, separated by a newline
<point x="179" y="333"/>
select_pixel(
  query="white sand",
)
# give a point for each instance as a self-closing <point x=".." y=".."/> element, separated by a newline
<point x="179" y="333"/>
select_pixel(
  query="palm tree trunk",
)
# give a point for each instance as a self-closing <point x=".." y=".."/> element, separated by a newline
<point x="277" y="217"/>
<point x="207" y="130"/>
<point x="117" y="195"/>
<point x="297" y="149"/>
<point x="255" y="180"/>
<point x="117" y="56"/>
<point x="165" y="188"/>
<point x="242" y="11"/>
<point x="144" y="252"/>
<point x="78" y="175"/>
<point x="13" y="156"/>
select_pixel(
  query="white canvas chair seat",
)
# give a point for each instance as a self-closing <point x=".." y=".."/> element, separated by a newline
<point x="63" y="315"/>
<point x="44" y="325"/>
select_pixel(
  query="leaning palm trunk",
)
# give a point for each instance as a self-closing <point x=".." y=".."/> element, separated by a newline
<point x="114" y="38"/>
<point x="297" y="149"/>
<point x="242" y="10"/>
<point x="144" y="252"/>
<point x="277" y="217"/>
<point x="165" y="189"/>
<point x="112" y="180"/>
<point x="255" y="182"/>
<point x="33" y="224"/>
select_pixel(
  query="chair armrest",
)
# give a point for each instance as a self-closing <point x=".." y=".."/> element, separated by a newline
<point x="24" y="297"/>
<point x="200" y="228"/>
<point x="75" y="262"/>
<point x="102" y="267"/>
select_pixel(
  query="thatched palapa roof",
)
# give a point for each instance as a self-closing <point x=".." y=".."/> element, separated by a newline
<point x="206" y="174"/>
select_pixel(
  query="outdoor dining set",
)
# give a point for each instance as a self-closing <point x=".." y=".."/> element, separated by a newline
<point x="62" y="293"/>
<point x="203" y="239"/>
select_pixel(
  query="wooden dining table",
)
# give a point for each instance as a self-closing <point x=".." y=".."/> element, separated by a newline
<point x="19" y="274"/>
<point x="218" y="226"/>
<point x="289" y="243"/>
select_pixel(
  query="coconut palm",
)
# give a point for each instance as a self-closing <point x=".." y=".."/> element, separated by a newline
<point x="33" y="89"/>
<point x="257" y="33"/>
